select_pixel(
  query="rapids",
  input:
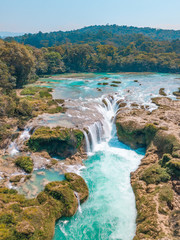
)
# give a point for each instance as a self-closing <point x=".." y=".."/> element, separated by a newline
<point x="110" y="211"/>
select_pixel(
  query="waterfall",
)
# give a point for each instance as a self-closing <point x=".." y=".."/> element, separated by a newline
<point x="87" y="142"/>
<point x="25" y="135"/>
<point x="102" y="129"/>
<point x="79" y="206"/>
<point x="13" y="148"/>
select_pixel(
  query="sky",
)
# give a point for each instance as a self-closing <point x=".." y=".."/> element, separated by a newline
<point x="53" y="15"/>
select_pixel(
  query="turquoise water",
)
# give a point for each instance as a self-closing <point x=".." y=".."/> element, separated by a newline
<point x="110" y="211"/>
<point x="39" y="179"/>
<point x="86" y="86"/>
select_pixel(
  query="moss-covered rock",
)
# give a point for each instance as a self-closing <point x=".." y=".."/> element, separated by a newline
<point x="162" y="92"/>
<point x="134" y="133"/>
<point x="34" y="219"/>
<point x="25" y="163"/>
<point x="155" y="174"/>
<point x="60" y="141"/>
<point x="78" y="185"/>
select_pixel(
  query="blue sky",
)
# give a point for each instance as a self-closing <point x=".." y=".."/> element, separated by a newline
<point x="53" y="15"/>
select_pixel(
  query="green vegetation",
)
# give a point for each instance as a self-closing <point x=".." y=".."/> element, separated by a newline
<point x="119" y="35"/>
<point x="161" y="92"/>
<point x="166" y="194"/>
<point x="173" y="167"/>
<point x="166" y="158"/>
<point x="177" y="93"/>
<point x="59" y="141"/>
<point x="131" y="132"/>
<point x="30" y="90"/>
<point x="104" y="51"/>
<point x="155" y="174"/>
<point x="25" y="163"/>
<point x="34" y="219"/>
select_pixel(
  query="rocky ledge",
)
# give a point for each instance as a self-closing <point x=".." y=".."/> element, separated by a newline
<point x="22" y="218"/>
<point x="156" y="183"/>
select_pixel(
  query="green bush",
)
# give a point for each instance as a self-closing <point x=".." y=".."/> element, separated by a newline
<point x="155" y="174"/>
<point x="6" y="218"/>
<point x="166" y="158"/>
<point x="25" y="163"/>
<point x="79" y="136"/>
<point x="30" y="90"/>
<point x="174" y="167"/>
<point x="45" y="93"/>
<point x="166" y="194"/>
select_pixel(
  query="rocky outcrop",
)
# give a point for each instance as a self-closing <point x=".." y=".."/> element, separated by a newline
<point x="156" y="182"/>
<point x="35" y="218"/>
<point x="57" y="141"/>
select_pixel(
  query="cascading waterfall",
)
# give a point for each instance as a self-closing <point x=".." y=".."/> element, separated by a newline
<point x="102" y="129"/>
<point x="110" y="211"/>
<point x="79" y="205"/>
<point x="13" y="148"/>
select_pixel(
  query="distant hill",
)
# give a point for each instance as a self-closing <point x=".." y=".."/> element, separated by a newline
<point x="10" y="34"/>
<point x="104" y="34"/>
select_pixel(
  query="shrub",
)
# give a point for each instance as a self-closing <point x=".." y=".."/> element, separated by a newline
<point x="166" y="158"/>
<point x="166" y="194"/>
<point x="79" y="136"/>
<point x="174" y="167"/>
<point x="44" y="93"/>
<point x="155" y="174"/>
<point x="30" y="90"/>
<point x="25" y="163"/>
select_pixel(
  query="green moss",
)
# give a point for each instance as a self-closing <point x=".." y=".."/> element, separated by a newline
<point x="166" y="194"/>
<point x="7" y="218"/>
<point x="116" y="82"/>
<point x="30" y="90"/>
<point x="150" y="131"/>
<point x="79" y="136"/>
<point x="134" y="134"/>
<point x="60" y="141"/>
<point x="173" y="167"/>
<point x="44" y="93"/>
<point x="155" y="174"/>
<point x="104" y="83"/>
<point x="55" y="110"/>
<point x="167" y="143"/>
<point x="25" y="163"/>
<point x="165" y="158"/>
<point x="161" y="92"/>
<point x="34" y="219"/>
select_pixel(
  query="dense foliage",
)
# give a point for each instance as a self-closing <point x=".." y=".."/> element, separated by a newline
<point x="97" y="51"/>
<point x="114" y="34"/>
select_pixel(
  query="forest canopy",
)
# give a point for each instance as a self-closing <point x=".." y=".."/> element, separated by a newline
<point x="97" y="51"/>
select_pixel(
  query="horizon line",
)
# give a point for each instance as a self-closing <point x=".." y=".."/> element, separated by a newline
<point x="75" y="29"/>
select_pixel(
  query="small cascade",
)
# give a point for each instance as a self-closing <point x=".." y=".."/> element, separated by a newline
<point x="102" y="129"/>
<point x="79" y="206"/>
<point x="14" y="146"/>
<point x="95" y="134"/>
<point x="87" y="142"/>
<point x="25" y="135"/>
<point x="13" y="149"/>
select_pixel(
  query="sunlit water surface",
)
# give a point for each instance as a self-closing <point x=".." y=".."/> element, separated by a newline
<point x="110" y="211"/>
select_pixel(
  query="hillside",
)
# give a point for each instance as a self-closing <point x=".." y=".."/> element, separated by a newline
<point x="105" y="34"/>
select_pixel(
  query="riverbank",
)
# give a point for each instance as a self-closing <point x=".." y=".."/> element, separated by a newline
<point x="83" y="126"/>
<point x="156" y="182"/>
